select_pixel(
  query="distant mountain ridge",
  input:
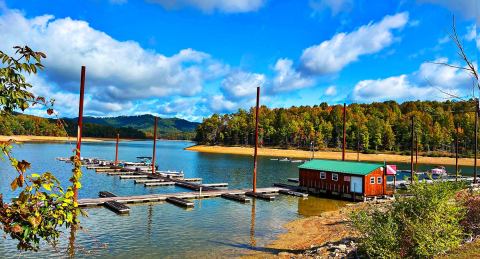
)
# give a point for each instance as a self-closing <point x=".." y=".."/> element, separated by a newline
<point x="144" y="123"/>
<point x="131" y="127"/>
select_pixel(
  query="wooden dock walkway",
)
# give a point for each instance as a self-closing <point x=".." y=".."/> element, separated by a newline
<point x="89" y="202"/>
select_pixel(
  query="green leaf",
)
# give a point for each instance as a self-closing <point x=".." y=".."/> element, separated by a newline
<point x="69" y="217"/>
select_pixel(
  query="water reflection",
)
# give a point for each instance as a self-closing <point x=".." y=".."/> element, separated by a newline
<point x="149" y="221"/>
<point x="71" y="243"/>
<point x="253" y="242"/>
<point x="314" y="206"/>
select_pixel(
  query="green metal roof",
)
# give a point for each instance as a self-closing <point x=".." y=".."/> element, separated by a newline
<point x="358" y="168"/>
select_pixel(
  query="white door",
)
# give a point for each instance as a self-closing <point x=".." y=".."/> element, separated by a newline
<point x="356" y="184"/>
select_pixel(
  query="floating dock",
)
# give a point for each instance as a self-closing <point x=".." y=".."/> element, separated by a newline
<point x="221" y="185"/>
<point x="261" y="195"/>
<point x="113" y="205"/>
<point x="294" y="180"/>
<point x="183" y="195"/>
<point x="236" y="197"/>
<point x="138" y="176"/>
<point x="180" y="202"/>
<point x="117" y="207"/>
<point x="159" y="184"/>
<point x="293" y="193"/>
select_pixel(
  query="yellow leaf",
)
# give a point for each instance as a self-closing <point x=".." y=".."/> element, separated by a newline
<point x="47" y="187"/>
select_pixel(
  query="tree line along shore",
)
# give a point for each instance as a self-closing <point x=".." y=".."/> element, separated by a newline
<point x="375" y="127"/>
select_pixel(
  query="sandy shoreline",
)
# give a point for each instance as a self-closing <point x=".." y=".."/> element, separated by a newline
<point x="303" y="233"/>
<point x="290" y="153"/>
<point x="44" y="139"/>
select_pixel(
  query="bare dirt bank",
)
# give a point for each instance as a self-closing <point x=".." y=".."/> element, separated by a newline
<point x="292" y="153"/>
<point x="314" y="231"/>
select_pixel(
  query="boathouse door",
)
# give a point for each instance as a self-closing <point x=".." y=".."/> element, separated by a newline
<point x="356" y="184"/>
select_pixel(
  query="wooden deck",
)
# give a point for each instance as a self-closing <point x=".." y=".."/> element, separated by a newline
<point x="182" y="195"/>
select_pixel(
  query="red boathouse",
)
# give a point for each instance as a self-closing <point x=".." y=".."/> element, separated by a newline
<point x="344" y="179"/>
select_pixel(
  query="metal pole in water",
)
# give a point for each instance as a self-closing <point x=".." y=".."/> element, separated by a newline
<point x="256" y="143"/>
<point x="411" y="149"/>
<point x="416" y="153"/>
<point x="456" y="155"/>
<point x="344" y="130"/>
<point x="476" y="142"/>
<point x="116" y="150"/>
<point x="154" y="144"/>
<point x="80" y="124"/>
<point x="358" y="144"/>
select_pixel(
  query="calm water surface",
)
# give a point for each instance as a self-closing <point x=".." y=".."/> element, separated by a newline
<point x="215" y="227"/>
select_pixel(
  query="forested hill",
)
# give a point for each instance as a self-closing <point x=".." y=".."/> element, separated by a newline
<point x="376" y="126"/>
<point x="145" y="123"/>
<point x="138" y="127"/>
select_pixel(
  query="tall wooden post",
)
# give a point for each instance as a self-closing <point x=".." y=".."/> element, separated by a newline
<point x="312" y="145"/>
<point x="256" y="143"/>
<point x="116" y="149"/>
<point x="416" y="153"/>
<point x="344" y="130"/>
<point x="80" y="124"/>
<point x="154" y="144"/>
<point x="358" y="144"/>
<point x="411" y="149"/>
<point x="456" y="154"/>
<point x="476" y="142"/>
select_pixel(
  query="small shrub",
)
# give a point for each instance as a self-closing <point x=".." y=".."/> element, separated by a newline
<point x="471" y="221"/>
<point x="425" y="224"/>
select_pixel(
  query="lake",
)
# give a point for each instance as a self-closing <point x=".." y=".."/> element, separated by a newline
<point x="215" y="227"/>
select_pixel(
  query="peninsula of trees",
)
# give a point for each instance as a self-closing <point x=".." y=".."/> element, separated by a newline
<point x="372" y="127"/>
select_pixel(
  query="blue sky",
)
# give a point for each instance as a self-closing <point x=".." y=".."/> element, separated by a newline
<point x="192" y="58"/>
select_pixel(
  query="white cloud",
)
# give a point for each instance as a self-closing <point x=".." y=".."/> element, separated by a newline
<point x="344" y="48"/>
<point x="331" y="90"/>
<point x="442" y="76"/>
<point x="336" y="6"/>
<point x="118" y="72"/>
<point x="209" y="6"/>
<point x="240" y="84"/>
<point x="444" y="39"/>
<point x="414" y="23"/>
<point x="219" y="104"/>
<point x="430" y="82"/>
<point x="391" y="88"/>
<point x="473" y="35"/>
<point x="467" y="8"/>
<point x="287" y="78"/>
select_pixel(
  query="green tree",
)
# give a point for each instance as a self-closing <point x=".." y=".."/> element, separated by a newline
<point x="42" y="206"/>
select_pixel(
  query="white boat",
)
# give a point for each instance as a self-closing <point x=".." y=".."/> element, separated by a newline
<point x="284" y="160"/>
<point x="274" y="159"/>
<point x="296" y="161"/>
<point x="438" y="171"/>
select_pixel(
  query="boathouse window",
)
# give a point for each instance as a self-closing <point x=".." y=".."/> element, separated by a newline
<point x="335" y="177"/>
<point x="372" y="180"/>
<point x="323" y="175"/>
<point x="379" y="180"/>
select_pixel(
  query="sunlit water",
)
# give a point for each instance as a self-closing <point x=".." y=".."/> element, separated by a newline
<point x="215" y="227"/>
